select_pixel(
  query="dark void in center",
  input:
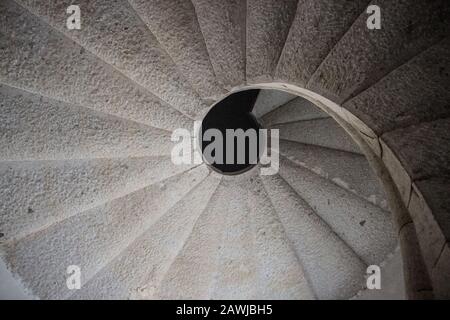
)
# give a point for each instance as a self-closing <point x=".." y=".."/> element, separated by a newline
<point x="234" y="112"/>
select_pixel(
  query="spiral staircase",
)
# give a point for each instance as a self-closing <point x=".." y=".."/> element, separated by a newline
<point x="86" y="176"/>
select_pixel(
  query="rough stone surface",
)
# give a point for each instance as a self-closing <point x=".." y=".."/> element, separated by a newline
<point x="365" y="132"/>
<point x="317" y="27"/>
<point x="399" y="175"/>
<point x="38" y="128"/>
<point x="84" y="106"/>
<point x="423" y="149"/>
<point x="429" y="233"/>
<point x="333" y="268"/>
<point x="223" y="24"/>
<point x="322" y="132"/>
<point x="441" y="275"/>
<point x="269" y="100"/>
<point x="366" y="228"/>
<point x="415" y="92"/>
<point x="157" y="249"/>
<point x="36" y="194"/>
<point x="295" y="110"/>
<point x="363" y="56"/>
<point x="436" y="192"/>
<point x="343" y="168"/>
<point x="180" y="281"/>
<point x="417" y="278"/>
<point x="281" y="273"/>
<point x="423" y="152"/>
<point x="236" y="257"/>
<point x="112" y="30"/>
<point x="10" y="288"/>
<point x="268" y="24"/>
<point x="38" y="59"/>
<point x="91" y="239"/>
<point x="392" y="281"/>
<point x="175" y="25"/>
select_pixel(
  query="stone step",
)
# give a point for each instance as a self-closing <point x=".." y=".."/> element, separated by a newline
<point x="236" y="263"/>
<point x="124" y="43"/>
<point x="393" y="281"/>
<point x="38" y="128"/>
<point x="317" y="27"/>
<point x="424" y="149"/>
<point x="179" y="281"/>
<point x="140" y="268"/>
<point x="93" y="238"/>
<point x="363" y="56"/>
<point x="269" y="100"/>
<point x="268" y="24"/>
<point x="175" y="25"/>
<point x="295" y="110"/>
<point x="223" y="27"/>
<point x="39" y="59"/>
<point x="37" y="194"/>
<point x="413" y="93"/>
<point x="348" y="170"/>
<point x="322" y="132"/>
<point x="334" y="270"/>
<point x="280" y="270"/>
<point x="366" y="228"/>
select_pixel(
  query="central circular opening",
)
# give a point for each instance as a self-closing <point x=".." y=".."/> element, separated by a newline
<point x="230" y="134"/>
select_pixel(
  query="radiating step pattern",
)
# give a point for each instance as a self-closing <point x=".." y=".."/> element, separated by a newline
<point x="138" y="270"/>
<point x="363" y="56"/>
<point x="37" y="128"/>
<point x="317" y="27"/>
<point x="268" y="23"/>
<point x="223" y="25"/>
<point x="93" y="238"/>
<point x="322" y="132"/>
<point x="366" y="228"/>
<point x="334" y="270"/>
<point x="343" y="168"/>
<point x="235" y="274"/>
<point x="280" y="271"/>
<point x="37" y="58"/>
<point x="295" y="110"/>
<point x="180" y="282"/>
<point x="126" y="44"/>
<point x="425" y="157"/>
<point x="413" y="93"/>
<point x="86" y="176"/>
<point x="36" y="194"/>
<point x="175" y="25"/>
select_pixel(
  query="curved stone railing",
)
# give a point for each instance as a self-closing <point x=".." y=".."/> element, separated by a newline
<point x="414" y="204"/>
